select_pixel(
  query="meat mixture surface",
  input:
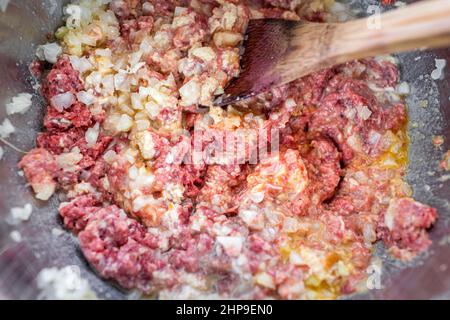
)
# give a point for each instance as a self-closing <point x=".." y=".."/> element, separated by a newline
<point x="285" y="201"/>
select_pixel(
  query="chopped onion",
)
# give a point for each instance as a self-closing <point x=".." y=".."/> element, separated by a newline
<point x="290" y="104"/>
<point x="364" y="112"/>
<point x="354" y="141"/>
<point x="92" y="134"/>
<point x="80" y="64"/>
<point x="110" y="156"/>
<point x="121" y="81"/>
<point x="125" y="123"/>
<point x="403" y="88"/>
<point x="108" y="84"/>
<point x="22" y="214"/>
<point x="6" y="129"/>
<point x="369" y="233"/>
<point x="86" y="97"/>
<point x="190" y="93"/>
<point x="256" y="197"/>
<point x="68" y="161"/>
<point x="103" y="52"/>
<point x="63" y="101"/>
<point x="436" y="74"/>
<point x="374" y="137"/>
<point x="49" y="52"/>
<point x="290" y="225"/>
<point x="20" y="104"/>
<point x="205" y="53"/>
<point x="148" y="8"/>
<point x="265" y="280"/>
<point x="179" y="11"/>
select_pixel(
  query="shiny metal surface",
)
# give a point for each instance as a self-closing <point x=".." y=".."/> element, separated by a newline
<point x="26" y="24"/>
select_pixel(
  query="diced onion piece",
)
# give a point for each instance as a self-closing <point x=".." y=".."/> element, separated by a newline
<point x="86" y="97"/>
<point x="369" y="233"/>
<point x="291" y="225"/>
<point x="296" y="259"/>
<point x="440" y="64"/>
<point x="205" y="53"/>
<point x="80" y="64"/>
<point x="68" y="161"/>
<point x="92" y="134"/>
<point x="6" y="129"/>
<point x="22" y="214"/>
<point x="142" y="124"/>
<point x="403" y="88"/>
<point x="125" y="123"/>
<point x="265" y="280"/>
<point x="43" y="191"/>
<point x="62" y="101"/>
<point x="253" y="218"/>
<point x="49" y="52"/>
<point x="136" y="101"/>
<point x="389" y="216"/>
<point x="354" y="141"/>
<point x="231" y="245"/>
<point x="190" y="93"/>
<point x="256" y="197"/>
<point x="364" y="112"/>
<point x="156" y="95"/>
<point x="179" y="11"/>
<point x="146" y="145"/>
<point x="16" y="236"/>
<point x="290" y="104"/>
<point x="110" y="156"/>
<point x="19" y="104"/>
<point x="121" y="81"/>
<point x="148" y="8"/>
<point x="374" y="137"/>
<point x="227" y="38"/>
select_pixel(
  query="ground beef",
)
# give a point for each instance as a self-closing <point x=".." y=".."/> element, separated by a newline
<point x="295" y="222"/>
<point x="76" y="116"/>
<point x="120" y="248"/>
<point x="61" y="79"/>
<point x="404" y="224"/>
<point x="40" y="169"/>
<point x="77" y="213"/>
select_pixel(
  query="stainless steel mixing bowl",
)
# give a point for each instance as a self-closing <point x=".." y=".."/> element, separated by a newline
<point x="26" y="23"/>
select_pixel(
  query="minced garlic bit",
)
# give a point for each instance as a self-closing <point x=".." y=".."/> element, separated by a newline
<point x="64" y="284"/>
<point x="19" y="104"/>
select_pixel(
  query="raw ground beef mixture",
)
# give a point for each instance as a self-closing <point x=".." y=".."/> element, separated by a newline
<point x="120" y="140"/>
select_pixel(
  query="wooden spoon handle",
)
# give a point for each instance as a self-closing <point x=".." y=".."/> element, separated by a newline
<point x="425" y="24"/>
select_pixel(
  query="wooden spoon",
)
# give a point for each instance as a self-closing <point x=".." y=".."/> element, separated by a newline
<point x="279" y="51"/>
